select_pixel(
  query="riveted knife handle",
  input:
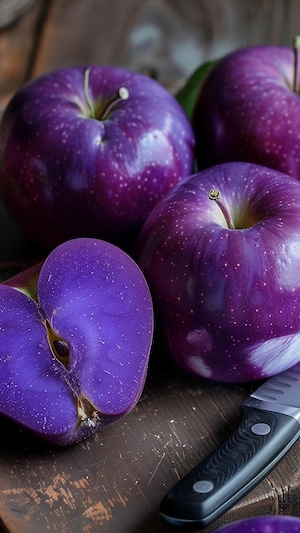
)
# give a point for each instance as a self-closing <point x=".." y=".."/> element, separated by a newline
<point x="232" y="470"/>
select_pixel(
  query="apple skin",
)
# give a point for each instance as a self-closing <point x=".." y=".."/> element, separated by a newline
<point x="246" y="110"/>
<point x="92" y="297"/>
<point x="66" y="174"/>
<point x="227" y="301"/>
<point x="263" y="524"/>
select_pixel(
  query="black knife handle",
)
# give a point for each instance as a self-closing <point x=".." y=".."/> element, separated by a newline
<point x="232" y="470"/>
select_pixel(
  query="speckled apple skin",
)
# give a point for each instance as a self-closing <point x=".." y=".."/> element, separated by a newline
<point x="227" y="300"/>
<point x="67" y="175"/>
<point x="96" y="299"/>
<point x="247" y="111"/>
<point x="263" y="524"/>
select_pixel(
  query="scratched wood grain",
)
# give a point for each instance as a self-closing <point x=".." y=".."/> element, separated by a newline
<point x="115" y="480"/>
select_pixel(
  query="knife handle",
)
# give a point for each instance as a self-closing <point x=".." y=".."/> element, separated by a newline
<point x="232" y="470"/>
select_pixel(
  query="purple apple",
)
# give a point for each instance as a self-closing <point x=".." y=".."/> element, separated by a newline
<point x="224" y="271"/>
<point x="263" y="524"/>
<point x="75" y="337"/>
<point x="248" y="109"/>
<point x="89" y="150"/>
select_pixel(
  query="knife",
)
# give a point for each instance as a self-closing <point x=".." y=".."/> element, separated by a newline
<point x="269" y="426"/>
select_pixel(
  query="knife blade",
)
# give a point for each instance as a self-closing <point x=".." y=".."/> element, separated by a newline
<point x="269" y="426"/>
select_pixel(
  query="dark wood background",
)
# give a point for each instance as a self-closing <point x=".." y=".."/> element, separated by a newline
<point x="114" y="481"/>
<point x="167" y="37"/>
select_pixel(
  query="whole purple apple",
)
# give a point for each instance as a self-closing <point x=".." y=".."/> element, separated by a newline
<point x="221" y="254"/>
<point x="89" y="150"/>
<point x="263" y="524"/>
<point x="248" y="109"/>
<point x="75" y="337"/>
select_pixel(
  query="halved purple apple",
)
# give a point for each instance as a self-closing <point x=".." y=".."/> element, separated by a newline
<point x="75" y="337"/>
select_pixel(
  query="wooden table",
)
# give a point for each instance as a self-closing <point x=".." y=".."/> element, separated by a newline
<point x="115" y="480"/>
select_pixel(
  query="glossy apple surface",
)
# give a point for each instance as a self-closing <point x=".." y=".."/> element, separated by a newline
<point x="75" y="337"/>
<point x="263" y="524"/>
<point x="247" y="110"/>
<point x="227" y="300"/>
<point x="89" y="150"/>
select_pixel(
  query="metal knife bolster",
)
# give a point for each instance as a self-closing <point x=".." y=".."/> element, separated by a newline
<point x="265" y="433"/>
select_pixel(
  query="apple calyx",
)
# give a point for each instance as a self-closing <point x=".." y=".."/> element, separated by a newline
<point x="102" y="114"/>
<point x="215" y="195"/>
<point x="86" y="411"/>
<point x="296" y="46"/>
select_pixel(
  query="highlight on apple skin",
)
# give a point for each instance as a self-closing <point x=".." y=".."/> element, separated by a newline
<point x="75" y="337"/>
<point x="227" y="297"/>
<point x="87" y="151"/>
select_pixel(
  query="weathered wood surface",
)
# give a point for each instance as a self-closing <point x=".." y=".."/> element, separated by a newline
<point x="114" y="481"/>
<point x="167" y="38"/>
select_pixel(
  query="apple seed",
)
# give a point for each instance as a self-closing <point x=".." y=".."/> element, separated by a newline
<point x="58" y="346"/>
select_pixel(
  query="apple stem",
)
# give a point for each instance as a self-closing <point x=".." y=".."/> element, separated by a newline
<point x="122" y="94"/>
<point x="215" y="195"/>
<point x="86" y="92"/>
<point x="296" y="46"/>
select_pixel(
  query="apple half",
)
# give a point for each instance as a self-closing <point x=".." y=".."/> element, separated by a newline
<point x="75" y="337"/>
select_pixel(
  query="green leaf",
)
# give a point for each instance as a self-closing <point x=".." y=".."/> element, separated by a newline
<point x="188" y="94"/>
